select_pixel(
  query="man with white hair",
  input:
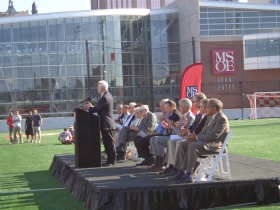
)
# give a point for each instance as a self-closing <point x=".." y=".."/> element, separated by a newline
<point x="104" y="109"/>
<point x="146" y="125"/>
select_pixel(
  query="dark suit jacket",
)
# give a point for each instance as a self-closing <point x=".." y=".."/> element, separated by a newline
<point x="104" y="109"/>
<point x="193" y="127"/>
<point x="200" y="125"/>
<point x="175" y="116"/>
<point x="214" y="132"/>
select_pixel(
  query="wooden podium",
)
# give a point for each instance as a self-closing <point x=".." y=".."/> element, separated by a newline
<point x="87" y="139"/>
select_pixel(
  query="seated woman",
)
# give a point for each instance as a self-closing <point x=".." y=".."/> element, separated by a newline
<point x="65" y="137"/>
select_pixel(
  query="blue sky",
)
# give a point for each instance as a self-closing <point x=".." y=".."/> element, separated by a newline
<point x="47" y="6"/>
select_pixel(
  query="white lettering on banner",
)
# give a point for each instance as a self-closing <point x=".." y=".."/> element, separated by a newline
<point x="191" y="91"/>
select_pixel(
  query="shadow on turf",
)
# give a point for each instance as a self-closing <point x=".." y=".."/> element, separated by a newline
<point x="17" y="195"/>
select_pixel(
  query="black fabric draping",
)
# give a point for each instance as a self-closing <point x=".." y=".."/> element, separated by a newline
<point x="189" y="197"/>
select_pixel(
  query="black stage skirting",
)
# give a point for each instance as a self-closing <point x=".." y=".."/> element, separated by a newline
<point x="126" y="187"/>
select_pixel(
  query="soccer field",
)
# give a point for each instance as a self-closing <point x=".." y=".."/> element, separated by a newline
<point x="27" y="184"/>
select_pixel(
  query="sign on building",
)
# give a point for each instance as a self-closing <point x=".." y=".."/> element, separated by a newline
<point x="223" y="61"/>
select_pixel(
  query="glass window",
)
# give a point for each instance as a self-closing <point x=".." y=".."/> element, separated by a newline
<point x="25" y="32"/>
<point x="250" y="14"/>
<point x="267" y="13"/>
<point x="44" y="71"/>
<point x="268" y="25"/>
<point x="1" y="36"/>
<point x="43" y="30"/>
<point x="77" y="29"/>
<point x="52" y="30"/>
<point x="217" y="27"/>
<point x="69" y="29"/>
<point x="86" y="28"/>
<point x="273" y="46"/>
<point x="251" y="20"/>
<point x="6" y="33"/>
<point x="16" y="32"/>
<point x="262" y="47"/>
<point x="35" y="59"/>
<point x="222" y="32"/>
<point x="267" y="19"/>
<point x="60" y="26"/>
<point x="7" y="60"/>
<point x="216" y="15"/>
<point x="96" y="27"/>
<point x="44" y="59"/>
<point x="216" y="21"/>
<point x="34" y="31"/>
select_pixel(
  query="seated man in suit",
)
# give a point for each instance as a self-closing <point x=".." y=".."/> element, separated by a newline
<point x="119" y="112"/>
<point x="146" y="125"/>
<point x="173" y="144"/>
<point x="159" y="131"/>
<point x="128" y="116"/>
<point x="208" y="141"/>
<point x="158" y="144"/>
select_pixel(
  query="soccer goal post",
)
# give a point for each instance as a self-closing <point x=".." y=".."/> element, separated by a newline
<point x="264" y="104"/>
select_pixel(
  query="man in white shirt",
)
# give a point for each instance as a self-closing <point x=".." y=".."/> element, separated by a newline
<point x="17" y="127"/>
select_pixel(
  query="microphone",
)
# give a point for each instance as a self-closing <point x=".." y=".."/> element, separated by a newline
<point x="88" y="99"/>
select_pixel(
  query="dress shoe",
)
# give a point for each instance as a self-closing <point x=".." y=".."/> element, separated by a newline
<point x="152" y="167"/>
<point x="173" y="172"/>
<point x="176" y="177"/>
<point x="143" y="163"/>
<point x="166" y="171"/>
<point x="158" y="168"/>
<point x="107" y="164"/>
<point x="120" y="157"/>
<point x="120" y="150"/>
<point x="185" y="179"/>
<point x="151" y="161"/>
<point x="195" y="166"/>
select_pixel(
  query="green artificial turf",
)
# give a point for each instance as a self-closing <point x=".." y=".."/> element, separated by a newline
<point x="256" y="138"/>
<point x="25" y="167"/>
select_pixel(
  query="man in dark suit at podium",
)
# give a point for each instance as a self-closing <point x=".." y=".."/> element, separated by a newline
<point x="104" y="109"/>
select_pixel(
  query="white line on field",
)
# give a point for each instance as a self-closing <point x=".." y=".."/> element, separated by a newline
<point x="30" y="191"/>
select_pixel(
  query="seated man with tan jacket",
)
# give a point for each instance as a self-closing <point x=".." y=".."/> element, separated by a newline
<point x="208" y="141"/>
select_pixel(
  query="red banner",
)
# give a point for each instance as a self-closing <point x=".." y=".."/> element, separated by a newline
<point x="112" y="56"/>
<point x="191" y="82"/>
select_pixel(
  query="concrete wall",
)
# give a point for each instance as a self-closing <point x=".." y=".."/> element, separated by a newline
<point x="64" y="122"/>
<point x="189" y="27"/>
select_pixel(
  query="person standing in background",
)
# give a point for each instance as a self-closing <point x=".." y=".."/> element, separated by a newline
<point x="36" y="124"/>
<point x="28" y="127"/>
<point x="10" y="126"/>
<point x="17" y="127"/>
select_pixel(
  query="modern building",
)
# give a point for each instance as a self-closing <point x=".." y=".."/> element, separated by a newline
<point x="141" y="53"/>
<point x="43" y="58"/>
<point x="118" y="4"/>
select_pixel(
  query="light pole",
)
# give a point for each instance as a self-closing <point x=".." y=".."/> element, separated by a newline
<point x="171" y="85"/>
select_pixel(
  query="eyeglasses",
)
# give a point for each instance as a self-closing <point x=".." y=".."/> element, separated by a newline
<point x="201" y="106"/>
<point x="208" y="107"/>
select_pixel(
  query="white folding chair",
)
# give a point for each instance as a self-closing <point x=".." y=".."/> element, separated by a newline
<point x="131" y="147"/>
<point x="213" y="163"/>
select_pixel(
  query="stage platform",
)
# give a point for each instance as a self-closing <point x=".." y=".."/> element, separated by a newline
<point x="128" y="187"/>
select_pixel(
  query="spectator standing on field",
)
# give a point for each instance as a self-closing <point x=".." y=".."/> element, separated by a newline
<point x="17" y="127"/>
<point x="36" y="123"/>
<point x="28" y="127"/>
<point x="10" y="126"/>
